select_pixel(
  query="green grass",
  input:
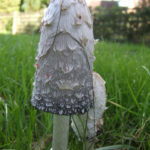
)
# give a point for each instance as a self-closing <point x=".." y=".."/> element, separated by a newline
<point x="124" y="67"/>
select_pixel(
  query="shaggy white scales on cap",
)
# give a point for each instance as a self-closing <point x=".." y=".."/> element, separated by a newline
<point x="63" y="80"/>
<point x="94" y="115"/>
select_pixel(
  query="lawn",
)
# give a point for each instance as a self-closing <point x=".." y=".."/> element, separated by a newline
<point x="124" y="67"/>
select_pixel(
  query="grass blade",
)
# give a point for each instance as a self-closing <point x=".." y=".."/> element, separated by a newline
<point x="122" y="107"/>
<point x="115" y="147"/>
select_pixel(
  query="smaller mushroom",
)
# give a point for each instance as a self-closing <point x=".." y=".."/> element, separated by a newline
<point x="94" y="116"/>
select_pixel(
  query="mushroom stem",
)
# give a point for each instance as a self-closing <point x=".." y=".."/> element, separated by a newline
<point x="60" y="132"/>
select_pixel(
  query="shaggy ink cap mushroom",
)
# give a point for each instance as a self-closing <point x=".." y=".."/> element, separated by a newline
<point x="63" y="81"/>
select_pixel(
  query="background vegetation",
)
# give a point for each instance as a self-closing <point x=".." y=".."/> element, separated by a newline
<point x="126" y="69"/>
<point x="118" y="24"/>
<point x="22" y="5"/>
<point x="115" y="24"/>
<point x="33" y="5"/>
<point x="9" y="5"/>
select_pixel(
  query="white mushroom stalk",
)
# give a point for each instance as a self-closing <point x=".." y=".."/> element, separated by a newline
<point x="63" y="82"/>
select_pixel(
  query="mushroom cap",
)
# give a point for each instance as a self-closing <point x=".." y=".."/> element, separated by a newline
<point x="63" y="80"/>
